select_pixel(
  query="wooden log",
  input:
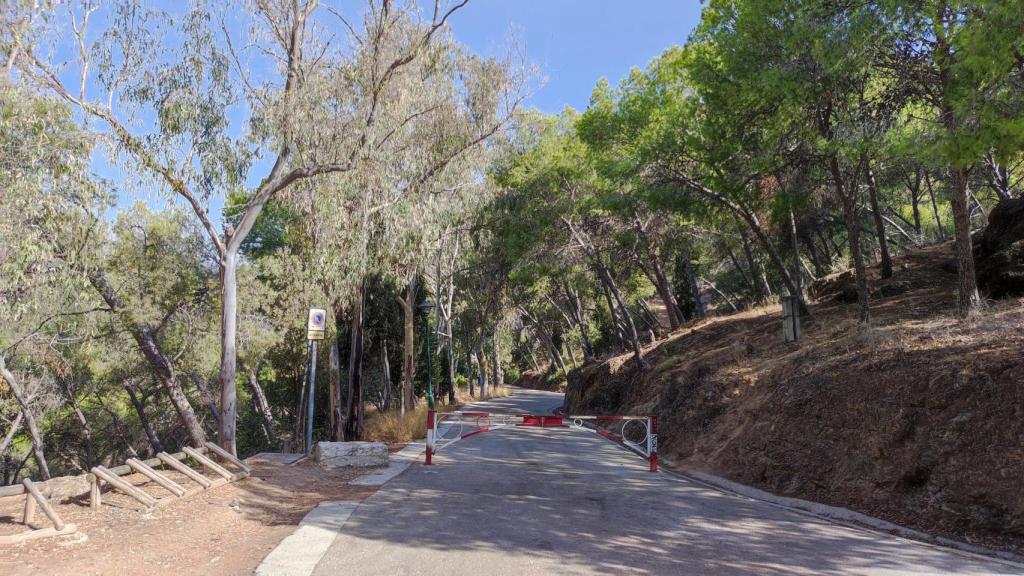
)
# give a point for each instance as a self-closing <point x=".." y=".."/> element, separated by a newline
<point x="195" y="455"/>
<point x="126" y="469"/>
<point x="123" y="486"/>
<point x="13" y="490"/>
<point x="173" y="462"/>
<point x="95" y="500"/>
<point x="30" y="510"/>
<point x="44" y="504"/>
<point x="170" y="485"/>
<point x="35" y="534"/>
<point x="229" y="457"/>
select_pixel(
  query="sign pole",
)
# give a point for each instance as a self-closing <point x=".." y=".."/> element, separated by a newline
<point x="316" y="327"/>
<point x="312" y="395"/>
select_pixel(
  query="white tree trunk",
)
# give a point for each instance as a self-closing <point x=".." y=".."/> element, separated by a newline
<point x="228" y="354"/>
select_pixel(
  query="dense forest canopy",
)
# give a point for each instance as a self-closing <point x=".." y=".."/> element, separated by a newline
<point x="296" y="156"/>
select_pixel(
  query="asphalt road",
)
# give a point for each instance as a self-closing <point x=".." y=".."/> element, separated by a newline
<point x="525" y="501"/>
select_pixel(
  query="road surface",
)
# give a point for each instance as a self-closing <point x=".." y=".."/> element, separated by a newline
<point x="524" y="501"/>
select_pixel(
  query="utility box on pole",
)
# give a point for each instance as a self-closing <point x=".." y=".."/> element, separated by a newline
<point x="790" y="318"/>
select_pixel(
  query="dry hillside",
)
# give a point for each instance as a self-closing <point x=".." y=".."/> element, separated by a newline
<point x="918" y="419"/>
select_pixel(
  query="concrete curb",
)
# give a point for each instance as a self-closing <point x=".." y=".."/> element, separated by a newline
<point x="299" y="553"/>
<point x="843" y="516"/>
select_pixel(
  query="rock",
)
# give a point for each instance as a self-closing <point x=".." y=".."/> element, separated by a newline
<point x="64" y="487"/>
<point x="358" y="454"/>
<point x="999" y="251"/>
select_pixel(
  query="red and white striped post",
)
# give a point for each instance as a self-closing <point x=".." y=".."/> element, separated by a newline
<point x="652" y="444"/>
<point x="430" y="436"/>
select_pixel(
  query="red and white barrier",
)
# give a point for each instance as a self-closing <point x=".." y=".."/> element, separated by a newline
<point x="637" y="433"/>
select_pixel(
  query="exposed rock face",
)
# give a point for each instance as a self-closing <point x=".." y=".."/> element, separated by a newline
<point x="358" y="454"/>
<point x="999" y="251"/>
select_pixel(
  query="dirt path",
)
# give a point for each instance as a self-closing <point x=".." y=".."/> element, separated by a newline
<point x="225" y="531"/>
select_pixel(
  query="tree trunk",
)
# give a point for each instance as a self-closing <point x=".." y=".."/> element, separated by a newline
<point x="30" y="419"/>
<point x="469" y="366"/>
<point x="481" y="360"/>
<point x="764" y="289"/>
<point x="935" y="207"/>
<point x="354" y="420"/>
<point x="634" y="339"/>
<point x="408" y="392"/>
<point x="915" y="197"/>
<point x="204" y="393"/>
<point x="87" y="435"/>
<point x="798" y="267"/>
<point x="262" y="407"/>
<point x="699" y="310"/>
<point x="158" y="361"/>
<point x="450" y="349"/>
<point x="499" y="372"/>
<point x="547" y="340"/>
<point x="886" y="260"/>
<point x="334" y="382"/>
<point x="576" y="312"/>
<point x="10" y="433"/>
<point x="998" y="177"/>
<point x="968" y="298"/>
<point x="385" y="367"/>
<point x="665" y="293"/>
<point x="848" y="197"/>
<point x="155" y="445"/>
<point x="616" y="323"/>
<point x="228" y="353"/>
<point x="747" y="279"/>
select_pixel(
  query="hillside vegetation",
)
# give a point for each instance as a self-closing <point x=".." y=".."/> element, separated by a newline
<point x="916" y="419"/>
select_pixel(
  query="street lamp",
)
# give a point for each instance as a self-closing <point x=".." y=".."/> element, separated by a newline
<point x="426" y="306"/>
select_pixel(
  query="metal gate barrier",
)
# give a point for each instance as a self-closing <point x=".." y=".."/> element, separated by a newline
<point x="637" y="433"/>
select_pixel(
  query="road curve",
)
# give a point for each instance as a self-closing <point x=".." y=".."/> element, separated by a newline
<point x="525" y="501"/>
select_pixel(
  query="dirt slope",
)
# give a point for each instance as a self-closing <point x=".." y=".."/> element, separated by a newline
<point x="918" y="420"/>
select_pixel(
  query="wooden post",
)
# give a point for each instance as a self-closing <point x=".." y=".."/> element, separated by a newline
<point x="181" y="467"/>
<point x="123" y="486"/>
<point x="229" y="457"/>
<point x="171" y="486"/>
<point x="217" y="468"/>
<point x="58" y="524"/>
<point x="95" y="500"/>
<point x="790" y="318"/>
<point x="30" y="510"/>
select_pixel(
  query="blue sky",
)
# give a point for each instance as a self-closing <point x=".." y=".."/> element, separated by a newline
<point x="576" y="42"/>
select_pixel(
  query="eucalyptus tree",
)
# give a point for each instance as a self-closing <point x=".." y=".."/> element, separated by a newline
<point x="47" y="190"/>
<point x="167" y="88"/>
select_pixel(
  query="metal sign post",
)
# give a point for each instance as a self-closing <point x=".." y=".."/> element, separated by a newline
<point x="316" y="328"/>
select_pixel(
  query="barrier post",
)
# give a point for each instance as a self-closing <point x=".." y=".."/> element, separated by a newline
<point x="652" y="443"/>
<point x="430" y="436"/>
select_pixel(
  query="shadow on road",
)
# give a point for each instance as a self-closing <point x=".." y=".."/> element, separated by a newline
<point x="568" y="502"/>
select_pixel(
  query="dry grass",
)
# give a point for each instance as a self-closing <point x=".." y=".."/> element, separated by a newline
<point x="394" y="427"/>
